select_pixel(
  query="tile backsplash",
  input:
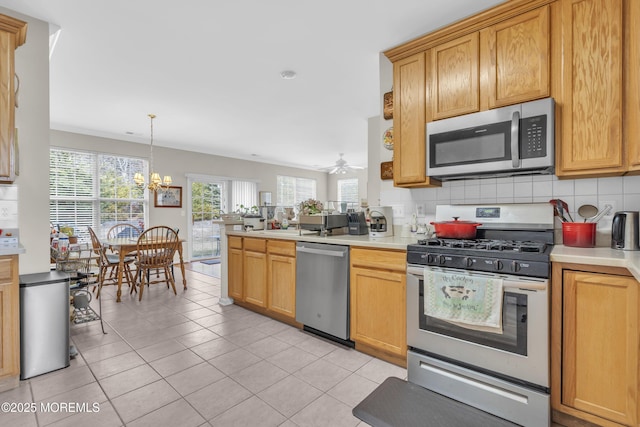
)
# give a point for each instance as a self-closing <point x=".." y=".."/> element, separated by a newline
<point x="623" y="193"/>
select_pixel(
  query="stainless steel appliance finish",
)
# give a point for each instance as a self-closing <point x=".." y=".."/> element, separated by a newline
<point x="381" y="221"/>
<point x="322" y="288"/>
<point x="357" y="224"/>
<point x="506" y="374"/>
<point x="513" y="140"/>
<point x="44" y="323"/>
<point x="325" y="223"/>
<point x="624" y="231"/>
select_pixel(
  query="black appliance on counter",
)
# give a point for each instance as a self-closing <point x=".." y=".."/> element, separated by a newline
<point x="357" y="224"/>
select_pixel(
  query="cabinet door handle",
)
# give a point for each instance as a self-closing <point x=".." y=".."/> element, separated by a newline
<point x="326" y="252"/>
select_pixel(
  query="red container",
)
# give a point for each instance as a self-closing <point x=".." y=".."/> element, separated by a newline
<point x="455" y="229"/>
<point x="579" y="234"/>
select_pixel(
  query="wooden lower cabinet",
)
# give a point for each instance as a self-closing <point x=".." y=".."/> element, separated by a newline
<point x="9" y="323"/>
<point x="595" y="344"/>
<point x="281" y="280"/>
<point x="254" y="262"/>
<point x="378" y="303"/>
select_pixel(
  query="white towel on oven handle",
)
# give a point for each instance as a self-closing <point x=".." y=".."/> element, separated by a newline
<point x="466" y="300"/>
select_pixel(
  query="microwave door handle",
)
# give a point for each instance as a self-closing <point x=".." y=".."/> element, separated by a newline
<point x="515" y="136"/>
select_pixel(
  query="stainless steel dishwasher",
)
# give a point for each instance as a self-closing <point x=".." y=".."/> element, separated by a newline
<point x="322" y="289"/>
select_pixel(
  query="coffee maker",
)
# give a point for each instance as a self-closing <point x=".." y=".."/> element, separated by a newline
<point x="381" y="221"/>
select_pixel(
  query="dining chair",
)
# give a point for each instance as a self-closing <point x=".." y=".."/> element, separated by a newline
<point x="124" y="230"/>
<point x="156" y="248"/>
<point x="107" y="262"/>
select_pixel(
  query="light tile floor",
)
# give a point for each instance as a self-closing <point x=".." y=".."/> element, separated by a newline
<point x="187" y="361"/>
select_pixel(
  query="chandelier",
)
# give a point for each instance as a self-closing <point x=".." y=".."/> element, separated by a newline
<point x="155" y="183"/>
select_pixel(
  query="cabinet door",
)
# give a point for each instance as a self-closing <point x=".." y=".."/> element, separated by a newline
<point x="7" y="105"/>
<point x="516" y="57"/>
<point x="374" y="292"/>
<point x="255" y="278"/>
<point x="9" y="323"/>
<point x="282" y="285"/>
<point x="600" y="345"/>
<point x="235" y="274"/>
<point x="632" y="84"/>
<point x="409" y="145"/>
<point x="454" y="77"/>
<point x="592" y="85"/>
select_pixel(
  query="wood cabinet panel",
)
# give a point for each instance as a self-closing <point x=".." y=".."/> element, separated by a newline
<point x="255" y="278"/>
<point x="379" y="259"/>
<point x="235" y="277"/>
<point x="255" y="245"/>
<point x="517" y="53"/>
<point x="235" y="242"/>
<point x="592" y="88"/>
<point x="282" y="284"/>
<point x="9" y="323"/>
<point x="12" y="34"/>
<point x="282" y="247"/>
<point x="454" y="77"/>
<point x="595" y="344"/>
<point x="631" y="119"/>
<point x="374" y="292"/>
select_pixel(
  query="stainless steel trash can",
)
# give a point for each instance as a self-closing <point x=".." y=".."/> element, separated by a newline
<point x="44" y="323"/>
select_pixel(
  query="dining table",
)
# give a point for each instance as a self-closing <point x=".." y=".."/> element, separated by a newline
<point x="127" y="245"/>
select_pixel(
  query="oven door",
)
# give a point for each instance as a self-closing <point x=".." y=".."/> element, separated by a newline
<point x="520" y="352"/>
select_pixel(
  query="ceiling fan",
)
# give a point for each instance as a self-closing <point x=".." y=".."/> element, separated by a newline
<point x="341" y="167"/>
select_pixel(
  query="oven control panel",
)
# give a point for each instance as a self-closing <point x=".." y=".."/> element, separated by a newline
<point x="477" y="263"/>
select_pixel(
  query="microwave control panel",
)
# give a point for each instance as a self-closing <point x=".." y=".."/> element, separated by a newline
<point x="533" y="137"/>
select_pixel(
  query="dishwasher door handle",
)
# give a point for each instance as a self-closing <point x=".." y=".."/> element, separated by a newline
<point x="327" y="252"/>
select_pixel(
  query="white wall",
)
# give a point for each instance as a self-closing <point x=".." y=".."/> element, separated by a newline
<point x="32" y="121"/>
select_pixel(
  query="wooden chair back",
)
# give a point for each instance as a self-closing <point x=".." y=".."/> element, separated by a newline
<point x="157" y="247"/>
<point x="124" y="230"/>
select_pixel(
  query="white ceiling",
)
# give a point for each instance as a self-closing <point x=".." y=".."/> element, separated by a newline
<point x="210" y="71"/>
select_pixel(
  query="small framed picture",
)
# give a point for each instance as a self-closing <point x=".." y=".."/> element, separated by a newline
<point x="169" y="198"/>
<point x="387" y="107"/>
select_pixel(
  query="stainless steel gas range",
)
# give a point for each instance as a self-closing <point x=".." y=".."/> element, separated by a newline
<point x="478" y="311"/>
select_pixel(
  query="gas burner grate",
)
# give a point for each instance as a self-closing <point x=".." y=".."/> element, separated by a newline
<point x="487" y="245"/>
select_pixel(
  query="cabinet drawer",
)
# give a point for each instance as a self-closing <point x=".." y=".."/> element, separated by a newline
<point x="379" y="259"/>
<point x="6" y="274"/>
<point x="255" y="245"/>
<point x="282" y="247"/>
<point x="235" y="242"/>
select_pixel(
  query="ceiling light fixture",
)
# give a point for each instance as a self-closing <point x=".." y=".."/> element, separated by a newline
<point x="155" y="183"/>
<point x="288" y="75"/>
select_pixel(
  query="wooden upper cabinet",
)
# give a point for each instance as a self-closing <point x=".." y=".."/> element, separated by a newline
<point x="454" y="78"/>
<point x="591" y="95"/>
<point x="409" y="98"/>
<point x="12" y="34"/>
<point x="631" y="119"/>
<point x="515" y="55"/>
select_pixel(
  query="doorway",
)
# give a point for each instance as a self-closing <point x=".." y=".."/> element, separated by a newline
<point x="207" y="202"/>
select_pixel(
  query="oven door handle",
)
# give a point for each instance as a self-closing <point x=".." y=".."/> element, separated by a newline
<point x="508" y="283"/>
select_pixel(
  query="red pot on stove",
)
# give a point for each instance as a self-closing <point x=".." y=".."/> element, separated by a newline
<point x="456" y="229"/>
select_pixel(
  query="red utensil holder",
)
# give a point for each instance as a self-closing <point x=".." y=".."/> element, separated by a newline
<point x="579" y="234"/>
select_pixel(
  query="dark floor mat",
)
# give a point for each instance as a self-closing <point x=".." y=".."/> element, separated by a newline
<point x="398" y="403"/>
<point x="211" y="261"/>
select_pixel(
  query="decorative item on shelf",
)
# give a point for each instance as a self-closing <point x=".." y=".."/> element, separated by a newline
<point x="387" y="138"/>
<point x="311" y="206"/>
<point x="386" y="170"/>
<point x="155" y="183"/>
<point x="387" y="105"/>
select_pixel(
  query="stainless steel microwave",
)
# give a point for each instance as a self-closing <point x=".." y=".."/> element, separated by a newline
<point x="513" y="140"/>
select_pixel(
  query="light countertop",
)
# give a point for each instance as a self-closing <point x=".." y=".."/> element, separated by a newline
<point x="600" y="255"/>
<point x="395" y="242"/>
<point x="12" y="250"/>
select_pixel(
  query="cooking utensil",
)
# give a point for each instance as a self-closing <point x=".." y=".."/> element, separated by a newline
<point x="587" y="211"/>
<point x="559" y="209"/>
<point x="603" y="212"/>
<point x="456" y="229"/>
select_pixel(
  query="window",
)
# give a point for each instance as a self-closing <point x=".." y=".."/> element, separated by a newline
<point x="291" y="191"/>
<point x="244" y="193"/>
<point x="94" y="190"/>
<point x="348" y="190"/>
